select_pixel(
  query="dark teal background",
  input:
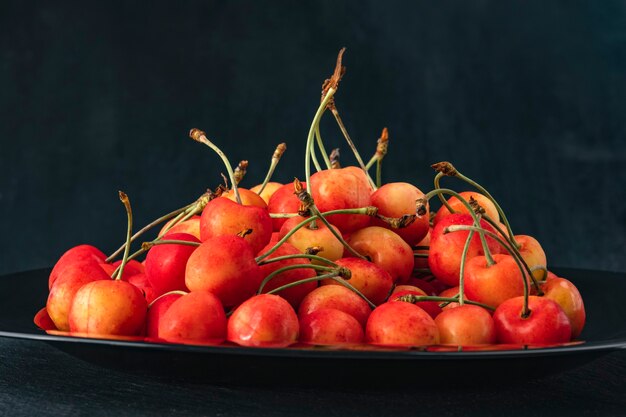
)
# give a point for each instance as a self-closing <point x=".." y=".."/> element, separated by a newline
<point x="528" y="98"/>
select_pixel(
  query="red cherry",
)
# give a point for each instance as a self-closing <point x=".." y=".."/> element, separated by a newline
<point x="466" y="325"/>
<point x="371" y="280"/>
<point x="166" y="264"/>
<point x="263" y="320"/>
<point x="431" y="307"/>
<point x="248" y="197"/>
<point x="492" y="285"/>
<point x="283" y="201"/>
<point x="73" y="256"/>
<point x="566" y="295"/>
<point x="156" y="312"/>
<point x="43" y="321"/>
<point x="336" y="297"/>
<point x="401" y="324"/>
<point x="330" y="327"/>
<point x="546" y="323"/>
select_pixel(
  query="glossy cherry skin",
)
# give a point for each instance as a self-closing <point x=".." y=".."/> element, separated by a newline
<point x="283" y="201"/>
<point x="166" y="264"/>
<point x="466" y="325"/>
<point x="343" y="188"/>
<point x="386" y="249"/>
<point x="190" y="226"/>
<point x="336" y="297"/>
<point x="293" y="295"/>
<point x="108" y="307"/>
<point x="225" y="266"/>
<point x="306" y="237"/>
<point x="248" y="197"/>
<point x="330" y="327"/>
<point x="264" y="320"/>
<point x="223" y="217"/>
<point x="431" y="307"/>
<point x="566" y="295"/>
<point x="196" y="317"/>
<point x="368" y="278"/>
<point x="458" y="207"/>
<point x="268" y="191"/>
<point x="73" y="256"/>
<point x="532" y="253"/>
<point x="156" y="311"/>
<point x="401" y="324"/>
<point x="444" y="256"/>
<point x="492" y="285"/>
<point x="546" y="324"/>
<point x="397" y="199"/>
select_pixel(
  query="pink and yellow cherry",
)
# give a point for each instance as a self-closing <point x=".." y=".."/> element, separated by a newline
<point x="566" y="295"/>
<point x="343" y="188"/>
<point x="268" y="191"/>
<point x="459" y="207"/>
<point x="446" y="249"/>
<point x="401" y="324"/>
<point x="225" y="266"/>
<point x="223" y="217"/>
<point x="73" y="256"/>
<point x="306" y="237"/>
<point x="156" y="310"/>
<point x="283" y="201"/>
<point x="532" y="253"/>
<point x="264" y="320"/>
<point x="431" y="307"/>
<point x="65" y="287"/>
<point x="330" y="327"/>
<point x="248" y="197"/>
<point x="293" y="295"/>
<point x="395" y="200"/>
<point x="197" y="317"/>
<point x="190" y="226"/>
<point x="386" y="249"/>
<point x="371" y="280"/>
<point x="547" y="323"/>
<point x="108" y="307"/>
<point x="166" y="264"/>
<point x="492" y="285"/>
<point x="466" y="325"/>
<point x="336" y="297"/>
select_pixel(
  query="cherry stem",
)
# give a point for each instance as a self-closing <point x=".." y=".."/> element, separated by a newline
<point x="167" y="293"/>
<point x="147" y="227"/>
<point x="367" y="211"/>
<point x="182" y="217"/>
<point x="298" y="256"/>
<point x="410" y="298"/>
<point x="343" y="129"/>
<point x="441" y="197"/>
<point x="470" y="235"/>
<point x="199" y="136"/>
<point x="129" y="230"/>
<point x="147" y="245"/>
<point x="382" y="145"/>
<point x="316" y="163"/>
<point x="285" y="238"/>
<point x="503" y="243"/>
<point x="320" y="145"/>
<point x="335" y="233"/>
<point x="481" y="233"/>
<point x="379" y="172"/>
<point x="278" y="153"/>
<point x="456" y="297"/>
<point x="289" y="268"/>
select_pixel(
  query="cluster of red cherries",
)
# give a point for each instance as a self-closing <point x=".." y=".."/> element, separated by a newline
<point x="338" y="259"/>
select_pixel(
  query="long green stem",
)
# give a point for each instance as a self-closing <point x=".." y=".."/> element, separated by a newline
<point x="441" y="197"/>
<point x="278" y="153"/>
<point x="285" y="238"/>
<point x="335" y="233"/>
<point x="290" y="268"/>
<point x="129" y="230"/>
<point x="182" y="217"/>
<point x="298" y="256"/>
<point x="200" y="136"/>
<point x="462" y="269"/>
<point x="320" y="145"/>
<point x="417" y="298"/>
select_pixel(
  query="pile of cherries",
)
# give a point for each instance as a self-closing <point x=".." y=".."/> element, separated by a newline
<point x="338" y="259"/>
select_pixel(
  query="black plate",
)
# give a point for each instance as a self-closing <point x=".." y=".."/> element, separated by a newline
<point x="23" y="294"/>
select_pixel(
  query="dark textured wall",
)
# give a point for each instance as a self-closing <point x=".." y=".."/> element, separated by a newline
<point x="528" y="98"/>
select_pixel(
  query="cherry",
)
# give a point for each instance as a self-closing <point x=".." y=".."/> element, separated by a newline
<point x="566" y="295"/>
<point x="466" y="325"/>
<point x="222" y="216"/>
<point x="307" y="237"/>
<point x="264" y="320"/>
<point x="43" y="321"/>
<point x="431" y="307"/>
<point x="156" y="310"/>
<point x="492" y="285"/>
<point x="77" y="254"/>
<point x="248" y="197"/>
<point x="141" y="281"/>
<point x="444" y="256"/>
<point x="225" y="266"/>
<point x="450" y="292"/>
<point x="190" y="226"/>
<point x="532" y="253"/>
<point x="386" y="249"/>
<point x="330" y="327"/>
<point x="396" y="200"/>
<point x="371" y="280"/>
<point x="336" y="297"/>
<point x="342" y="188"/>
<point x="294" y="294"/>
<point x="268" y="191"/>
<point x="401" y="324"/>
<point x="165" y="264"/>
<point x="196" y="317"/>
<point x="283" y="201"/>
<point x="546" y="322"/>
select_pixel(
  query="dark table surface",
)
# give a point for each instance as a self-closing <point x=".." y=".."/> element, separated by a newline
<point x="37" y="379"/>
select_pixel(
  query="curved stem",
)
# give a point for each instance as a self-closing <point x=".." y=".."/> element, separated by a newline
<point x="289" y="268"/>
<point x="167" y="293"/>
<point x="298" y="256"/>
<point x="441" y="198"/>
<point x="182" y="217"/>
<point x="335" y="233"/>
<point x="200" y="136"/>
<point x="309" y="142"/>
<point x="129" y="229"/>
<point x="285" y="238"/>
<point x="316" y="163"/>
<point x="320" y="145"/>
<point x="462" y="270"/>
